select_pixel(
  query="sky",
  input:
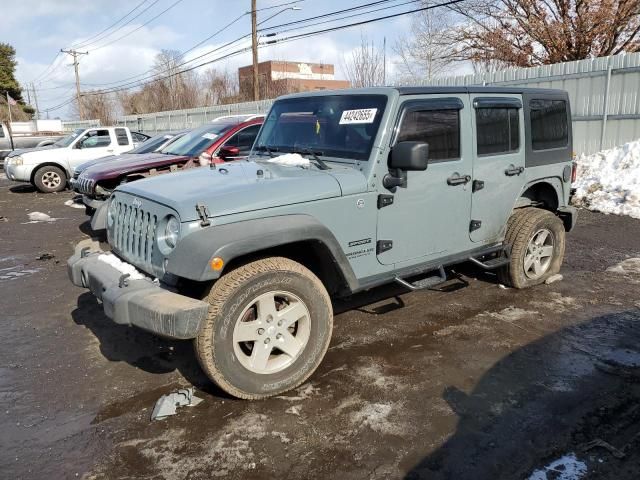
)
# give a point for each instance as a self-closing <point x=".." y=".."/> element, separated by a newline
<point x="39" y="29"/>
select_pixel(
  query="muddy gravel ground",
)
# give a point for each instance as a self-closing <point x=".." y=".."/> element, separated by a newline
<point x="471" y="382"/>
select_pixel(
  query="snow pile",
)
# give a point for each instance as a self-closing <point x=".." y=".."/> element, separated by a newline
<point x="35" y="217"/>
<point x="609" y="181"/>
<point x="566" y="468"/>
<point x="291" y="160"/>
<point x="121" y="266"/>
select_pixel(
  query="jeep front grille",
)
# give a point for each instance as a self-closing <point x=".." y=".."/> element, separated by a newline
<point x="133" y="234"/>
<point x="85" y="185"/>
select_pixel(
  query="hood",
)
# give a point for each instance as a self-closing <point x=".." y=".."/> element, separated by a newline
<point x="130" y="163"/>
<point x="237" y="187"/>
<point x="22" y="151"/>
<point x="83" y="166"/>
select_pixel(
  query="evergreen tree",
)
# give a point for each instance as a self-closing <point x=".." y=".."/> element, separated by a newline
<point x="8" y="82"/>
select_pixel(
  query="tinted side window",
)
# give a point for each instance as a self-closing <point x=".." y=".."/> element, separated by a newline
<point x="244" y="139"/>
<point x="121" y="135"/>
<point x="96" y="138"/>
<point x="497" y="130"/>
<point x="549" y="126"/>
<point x="439" y="128"/>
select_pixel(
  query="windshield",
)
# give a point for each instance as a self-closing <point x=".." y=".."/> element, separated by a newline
<point x="68" y="140"/>
<point x="197" y="141"/>
<point x="342" y="126"/>
<point x="153" y="144"/>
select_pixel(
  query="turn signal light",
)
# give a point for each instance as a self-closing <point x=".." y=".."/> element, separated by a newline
<point x="216" y="263"/>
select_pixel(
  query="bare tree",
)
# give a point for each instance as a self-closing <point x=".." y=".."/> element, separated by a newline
<point x="365" y="66"/>
<point x="98" y="105"/>
<point x="537" y="32"/>
<point x="426" y="51"/>
<point x="219" y="87"/>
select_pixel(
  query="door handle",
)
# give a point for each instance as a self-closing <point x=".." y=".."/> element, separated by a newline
<point x="457" y="179"/>
<point x="513" y="170"/>
<point x="110" y="150"/>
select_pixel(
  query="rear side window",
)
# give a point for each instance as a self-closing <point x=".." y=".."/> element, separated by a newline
<point x="439" y="128"/>
<point x="497" y="130"/>
<point x="549" y="125"/>
<point x="121" y="135"/>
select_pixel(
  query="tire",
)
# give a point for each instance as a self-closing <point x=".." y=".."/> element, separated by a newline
<point x="537" y="239"/>
<point x="276" y="283"/>
<point x="49" y="179"/>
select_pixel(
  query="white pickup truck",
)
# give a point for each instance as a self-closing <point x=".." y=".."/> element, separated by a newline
<point x="48" y="168"/>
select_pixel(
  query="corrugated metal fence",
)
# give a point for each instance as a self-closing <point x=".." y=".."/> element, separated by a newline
<point x="604" y="93"/>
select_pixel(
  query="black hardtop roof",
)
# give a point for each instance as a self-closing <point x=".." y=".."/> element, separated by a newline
<point x="476" y="89"/>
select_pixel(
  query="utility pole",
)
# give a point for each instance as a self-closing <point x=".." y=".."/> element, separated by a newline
<point x="384" y="61"/>
<point x="75" y="54"/>
<point x="35" y="99"/>
<point x="254" y="50"/>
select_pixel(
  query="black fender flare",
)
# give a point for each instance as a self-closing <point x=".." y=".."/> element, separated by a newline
<point x="192" y="256"/>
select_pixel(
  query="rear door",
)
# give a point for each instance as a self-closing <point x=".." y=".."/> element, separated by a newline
<point x="498" y="163"/>
<point x="430" y="217"/>
<point x="123" y="142"/>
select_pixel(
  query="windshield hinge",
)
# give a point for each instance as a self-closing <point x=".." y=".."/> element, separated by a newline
<point x="203" y="213"/>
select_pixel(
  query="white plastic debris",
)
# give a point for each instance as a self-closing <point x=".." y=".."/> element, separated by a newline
<point x="40" y="217"/>
<point x="609" y="181"/>
<point x="168" y="404"/>
<point x="72" y="204"/>
<point x="291" y="160"/>
<point x="121" y="266"/>
<point x="553" y="278"/>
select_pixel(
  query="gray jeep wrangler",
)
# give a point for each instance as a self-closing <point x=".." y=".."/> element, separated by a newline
<point x="343" y="191"/>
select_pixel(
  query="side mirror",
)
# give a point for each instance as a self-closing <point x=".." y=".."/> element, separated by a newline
<point x="410" y="156"/>
<point x="405" y="156"/>
<point x="229" y="152"/>
<point x="79" y="145"/>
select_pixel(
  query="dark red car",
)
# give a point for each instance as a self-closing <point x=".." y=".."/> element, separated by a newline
<point x="224" y="139"/>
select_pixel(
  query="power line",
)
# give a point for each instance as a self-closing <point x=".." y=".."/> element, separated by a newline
<point x="138" y="28"/>
<point x="86" y="41"/>
<point x="283" y="40"/>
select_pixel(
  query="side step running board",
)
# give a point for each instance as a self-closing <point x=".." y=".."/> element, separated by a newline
<point x="503" y="258"/>
<point x="427" y="282"/>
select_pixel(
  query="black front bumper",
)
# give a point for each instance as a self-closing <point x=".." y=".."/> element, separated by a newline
<point x="139" y="302"/>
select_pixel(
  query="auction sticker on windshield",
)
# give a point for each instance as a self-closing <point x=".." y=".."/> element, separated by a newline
<point x="362" y="115"/>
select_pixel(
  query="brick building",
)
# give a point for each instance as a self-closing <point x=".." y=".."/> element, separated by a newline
<point x="278" y="78"/>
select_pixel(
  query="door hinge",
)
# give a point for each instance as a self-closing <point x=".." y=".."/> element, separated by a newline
<point x="384" y="200"/>
<point x="477" y="185"/>
<point x="475" y="225"/>
<point x="383" y="246"/>
<point x="203" y="213"/>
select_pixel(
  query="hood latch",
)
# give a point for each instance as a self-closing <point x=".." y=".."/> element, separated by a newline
<point x="203" y="213"/>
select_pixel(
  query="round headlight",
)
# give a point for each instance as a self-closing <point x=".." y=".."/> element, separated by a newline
<point x="111" y="213"/>
<point x="172" y="231"/>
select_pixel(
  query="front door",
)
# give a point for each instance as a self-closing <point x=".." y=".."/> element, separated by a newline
<point x="430" y="217"/>
<point x="93" y="144"/>
<point x="498" y="168"/>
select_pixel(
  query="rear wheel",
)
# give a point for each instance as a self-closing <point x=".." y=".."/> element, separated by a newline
<point x="50" y="179"/>
<point x="537" y="239"/>
<point x="268" y="328"/>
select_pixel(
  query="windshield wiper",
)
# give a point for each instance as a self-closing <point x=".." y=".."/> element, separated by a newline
<point x="268" y="149"/>
<point x="314" y="153"/>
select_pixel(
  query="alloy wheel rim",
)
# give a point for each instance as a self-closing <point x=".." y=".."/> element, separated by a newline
<point x="51" y="179"/>
<point x="539" y="254"/>
<point x="271" y="332"/>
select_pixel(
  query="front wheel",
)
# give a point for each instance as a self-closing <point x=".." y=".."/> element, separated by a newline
<point x="268" y="328"/>
<point x="49" y="179"/>
<point x="537" y="240"/>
